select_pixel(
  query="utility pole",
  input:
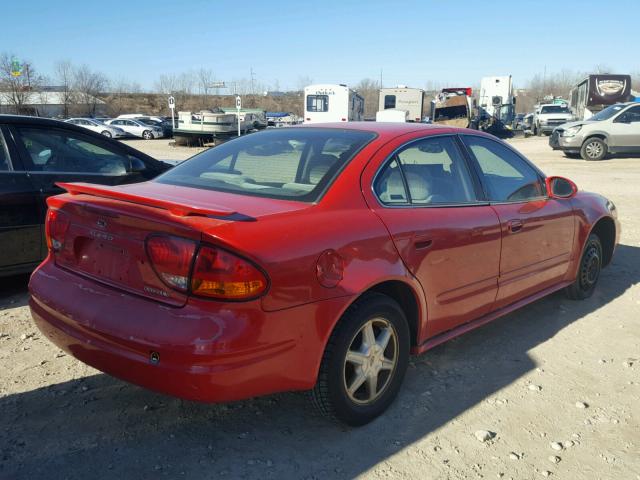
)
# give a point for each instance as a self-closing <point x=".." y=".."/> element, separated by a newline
<point x="252" y="74"/>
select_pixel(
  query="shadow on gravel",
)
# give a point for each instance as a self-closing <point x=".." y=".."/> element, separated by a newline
<point x="14" y="291"/>
<point x="98" y="427"/>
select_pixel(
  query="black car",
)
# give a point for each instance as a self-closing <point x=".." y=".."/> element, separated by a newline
<point x="35" y="153"/>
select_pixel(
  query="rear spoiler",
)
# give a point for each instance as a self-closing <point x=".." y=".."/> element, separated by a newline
<point x="175" y="207"/>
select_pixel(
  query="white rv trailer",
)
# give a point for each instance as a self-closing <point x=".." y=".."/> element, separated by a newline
<point x="403" y="98"/>
<point x="597" y="92"/>
<point x="497" y="102"/>
<point x="332" y="103"/>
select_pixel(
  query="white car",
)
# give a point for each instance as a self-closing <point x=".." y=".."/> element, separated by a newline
<point x="98" y="127"/>
<point x="137" y="128"/>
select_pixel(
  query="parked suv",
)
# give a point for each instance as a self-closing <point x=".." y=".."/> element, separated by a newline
<point x="549" y="116"/>
<point x="616" y="129"/>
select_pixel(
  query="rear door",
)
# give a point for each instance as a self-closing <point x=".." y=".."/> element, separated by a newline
<point x="448" y="237"/>
<point x="537" y="231"/>
<point x="20" y="225"/>
<point x="52" y="155"/>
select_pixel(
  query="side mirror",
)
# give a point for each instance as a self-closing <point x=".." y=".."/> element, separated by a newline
<point x="560" y="187"/>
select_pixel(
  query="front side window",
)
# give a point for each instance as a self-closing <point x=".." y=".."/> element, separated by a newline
<point x="507" y="176"/>
<point x="389" y="101"/>
<point x="432" y="169"/>
<point x="317" y="103"/>
<point x="632" y="115"/>
<point x="58" y="151"/>
<point x="292" y="163"/>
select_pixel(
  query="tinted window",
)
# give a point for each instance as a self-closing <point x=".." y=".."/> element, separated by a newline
<point x="507" y="176"/>
<point x="289" y="163"/>
<point x="317" y="103"/>
<point x="4" y="155"/>
<point x="632" y="115"/>
<point x="389" y="101"/>
<point x="434" y="171"/>
<point x="58" y="151"/>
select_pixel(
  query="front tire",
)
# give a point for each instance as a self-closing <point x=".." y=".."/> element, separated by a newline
<point x="147" y="135"/>
<point x="593" y="149"/>
<point x="588" y="270"/>
<point x="364" y="362"/>
<point x="106" y="133"/>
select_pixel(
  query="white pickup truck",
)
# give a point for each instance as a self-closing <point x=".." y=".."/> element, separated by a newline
<point x="548" y="116"/>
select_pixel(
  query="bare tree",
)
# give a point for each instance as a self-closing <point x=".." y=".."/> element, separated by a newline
<point x="17" y="89"/>
<point x="369" y="89"/>
<point x="205" y="80"/>
<point x="64" y="75"/>
<point x="87" y="86"/>
<point x="303" y="81"/>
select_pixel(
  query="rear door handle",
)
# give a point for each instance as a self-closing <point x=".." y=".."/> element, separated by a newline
<point x="515" y="226"/>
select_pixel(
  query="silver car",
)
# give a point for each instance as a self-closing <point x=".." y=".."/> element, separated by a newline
<point x="616" y="129"/>
<point x="137" y="128"/>
<point x="97" y="126"/>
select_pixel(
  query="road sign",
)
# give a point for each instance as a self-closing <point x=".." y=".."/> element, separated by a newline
<point x="16" y="68"/>
<point x="238" y="107"/>
<point x="172" y="106"/>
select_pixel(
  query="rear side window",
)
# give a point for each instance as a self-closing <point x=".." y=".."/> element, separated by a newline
<point x="432" y="169"/>
<point x="50" y="150"/>
<point x="317" y="103"/>
<point x="291" y="163"/>
<point x="507" y="176"/>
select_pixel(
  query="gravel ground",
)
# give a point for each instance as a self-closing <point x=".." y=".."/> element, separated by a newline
<point x="549" y="391"/>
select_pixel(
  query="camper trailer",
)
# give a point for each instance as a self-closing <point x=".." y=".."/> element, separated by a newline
<point x="497" y="104"/>
<point x="332" y="103"/>
<point x="598" y="91"/>
<point x="402" y="98"/>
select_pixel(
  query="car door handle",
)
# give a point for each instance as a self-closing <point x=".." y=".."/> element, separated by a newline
<point x="422" y="243"/>
<point x="515" y="226"/>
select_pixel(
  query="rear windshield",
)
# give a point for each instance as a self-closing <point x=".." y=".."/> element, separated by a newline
<point x="288" y="163"/>
<point x="555" y="109"/>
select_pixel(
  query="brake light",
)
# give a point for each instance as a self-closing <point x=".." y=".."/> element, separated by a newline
<point x="171" y="258"/>
<point x="56" y="226"/>
<point x="223" y="275"/>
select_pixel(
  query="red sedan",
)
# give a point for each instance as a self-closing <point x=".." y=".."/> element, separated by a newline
<point x="312" y="258"/>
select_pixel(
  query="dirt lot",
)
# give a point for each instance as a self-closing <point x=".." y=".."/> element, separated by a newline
<point x="556" y="371"/>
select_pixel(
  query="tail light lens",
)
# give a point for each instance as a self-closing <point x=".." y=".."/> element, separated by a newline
<point x="171" y="258"/>
<point x="223" y="275"/>
<point x="216" y="273"/>
<point x="55" y="227"/>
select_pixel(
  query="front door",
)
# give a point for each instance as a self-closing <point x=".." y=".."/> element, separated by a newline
<point x="537" y="232"/>
<point x="447" y="238"/>
<point x="625" y="130"/>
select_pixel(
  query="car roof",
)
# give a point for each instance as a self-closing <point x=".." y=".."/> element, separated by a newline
<point x="393" y="129"/>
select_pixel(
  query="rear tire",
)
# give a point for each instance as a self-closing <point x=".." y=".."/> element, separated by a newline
<point x="147" y="135"/>
<point x="361" y="373"/>
<point x="588" y="270"/>
<point x="106" y="133"/>
<point x="593" y="149"/>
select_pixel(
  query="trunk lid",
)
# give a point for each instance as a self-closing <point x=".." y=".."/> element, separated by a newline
<point x="108" y="227"/>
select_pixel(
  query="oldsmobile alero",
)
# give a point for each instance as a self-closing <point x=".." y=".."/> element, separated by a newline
<point x="311" y="258"/>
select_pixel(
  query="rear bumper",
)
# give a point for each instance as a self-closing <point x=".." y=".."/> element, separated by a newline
<point x="208" y="351"/>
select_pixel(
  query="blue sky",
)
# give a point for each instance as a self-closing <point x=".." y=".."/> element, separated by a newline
<point x="413" y="42"/>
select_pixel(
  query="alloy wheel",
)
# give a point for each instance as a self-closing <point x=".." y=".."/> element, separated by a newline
<point x="370" y="361"/>
<point x="593" y="149"/>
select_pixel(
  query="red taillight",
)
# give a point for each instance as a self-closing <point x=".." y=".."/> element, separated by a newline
<point x="223" y="275"/>
<point x="171" y="258"/>
<point x="55" y="228"/>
